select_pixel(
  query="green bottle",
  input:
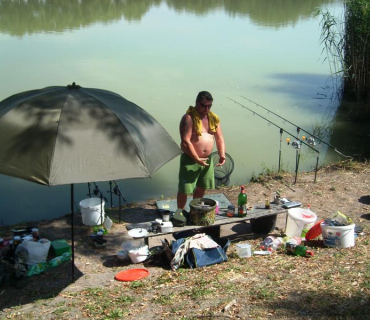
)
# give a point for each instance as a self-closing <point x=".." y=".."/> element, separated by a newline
<point x="242" y="203"/>
<point x="299" y="250"/>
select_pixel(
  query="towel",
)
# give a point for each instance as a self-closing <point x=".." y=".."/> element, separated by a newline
<point x="213" y="120"/>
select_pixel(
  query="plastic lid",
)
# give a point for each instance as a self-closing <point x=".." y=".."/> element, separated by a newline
<point x="138" y="233"/>
<point x="315" y="231"/>
<point x="243" y="245"/>
<point x="131" y="274"/>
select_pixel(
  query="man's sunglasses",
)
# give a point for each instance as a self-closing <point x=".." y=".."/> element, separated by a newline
<point x="205" y="106"/>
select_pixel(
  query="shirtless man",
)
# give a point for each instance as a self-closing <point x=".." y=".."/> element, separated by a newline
<point x="199" y="128"/>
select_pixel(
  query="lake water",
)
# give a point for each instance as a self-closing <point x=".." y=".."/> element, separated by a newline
<point x="160" y="54"/>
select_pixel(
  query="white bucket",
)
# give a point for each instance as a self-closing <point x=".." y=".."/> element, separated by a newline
<point x="244" y="250"/>
<point x="90" y="211"/>
<point x="139" y="255"/>
<point x="299" y="222"/>
<point x="338" y="237"/>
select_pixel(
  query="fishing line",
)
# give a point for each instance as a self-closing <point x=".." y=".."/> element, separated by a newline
<point x="255" y="113"/>
<point x="298" y="128"/>
<point x="294" y="144"/>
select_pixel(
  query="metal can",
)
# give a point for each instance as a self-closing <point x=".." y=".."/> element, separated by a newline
<point x="230" y="210"/>
<point x="35" y="233"/>
<point x="267" y="204"/>
<point x="16" y="241"/>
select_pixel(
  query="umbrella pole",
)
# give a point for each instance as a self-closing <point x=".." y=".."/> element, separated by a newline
<point x="72" y="235"/>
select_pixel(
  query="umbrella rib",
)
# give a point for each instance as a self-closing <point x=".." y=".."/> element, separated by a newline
<point x="55" y="143"/>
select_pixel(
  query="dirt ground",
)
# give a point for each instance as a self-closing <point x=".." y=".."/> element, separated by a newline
<point x="343" y="187"/>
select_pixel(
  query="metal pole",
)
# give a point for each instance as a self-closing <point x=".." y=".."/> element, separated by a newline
<point x="119" y="205"/>
<point x="281" y="135"/>
<point x="101" y="208"/>
<point x="88" y="185"/>
<point x="298" y="154"/>
<point x="317" y="163"/>
<point x="72" y="235"/>
<point x="111" y="196"/>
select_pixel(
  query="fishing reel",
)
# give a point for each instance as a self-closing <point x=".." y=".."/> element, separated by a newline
<point x="96" y="191"/>
<point x="116" y="191"/>
<point x="295" y="144"/>
<point x="309" y="140"/>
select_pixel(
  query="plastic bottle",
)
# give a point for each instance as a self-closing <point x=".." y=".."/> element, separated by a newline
<point x="276" y="244"/>
<point x="242" y="203"/>
<point x="299" y="250"/>
<point x="295" y="241"/>
<point x="267" y="243"/>
<point x="307" y="226"/>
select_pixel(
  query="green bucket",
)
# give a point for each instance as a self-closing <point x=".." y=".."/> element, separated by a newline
<point x="202" y="211"/>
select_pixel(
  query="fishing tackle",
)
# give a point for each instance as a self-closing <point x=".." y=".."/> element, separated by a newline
<point x="117" y="192"/>
<point x="310" y="140"/>
<point x="296" y="142"/>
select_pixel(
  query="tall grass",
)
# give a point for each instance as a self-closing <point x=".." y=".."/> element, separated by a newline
<point x="347" y="47"/>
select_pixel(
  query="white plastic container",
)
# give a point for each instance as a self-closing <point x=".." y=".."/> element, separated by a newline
<point x="338" y="237"/>
<point x="166" y="215"/>
<point x="91" y="211"/>
<point x="166" y="227"/>
<point x="139" y="255"/>
<point x="244" y="250"/>
<point x="299" y="219"/>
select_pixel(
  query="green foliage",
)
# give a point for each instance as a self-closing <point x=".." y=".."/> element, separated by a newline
<point x="347" y="47"/>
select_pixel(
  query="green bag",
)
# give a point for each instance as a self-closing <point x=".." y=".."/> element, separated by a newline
<point x="179" y="219"/>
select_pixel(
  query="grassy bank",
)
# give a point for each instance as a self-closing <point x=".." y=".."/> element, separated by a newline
<point x="333" y="284"/>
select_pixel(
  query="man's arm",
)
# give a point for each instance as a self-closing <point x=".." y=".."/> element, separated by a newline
<point x="186" y="128"/>
<point x="220" y="144"/>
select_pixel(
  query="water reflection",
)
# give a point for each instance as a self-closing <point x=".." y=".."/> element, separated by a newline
<point x="19" y="18"/>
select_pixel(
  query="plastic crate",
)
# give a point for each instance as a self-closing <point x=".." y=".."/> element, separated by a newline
<point x="60" y="246"/>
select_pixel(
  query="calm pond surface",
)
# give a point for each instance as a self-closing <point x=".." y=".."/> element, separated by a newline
<point x="160" y="54"/>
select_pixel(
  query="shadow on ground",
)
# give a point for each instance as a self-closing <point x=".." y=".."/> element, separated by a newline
<point x="299" y="305"/>
<point x="42" y="286"/>
<point x="364" y="199"/>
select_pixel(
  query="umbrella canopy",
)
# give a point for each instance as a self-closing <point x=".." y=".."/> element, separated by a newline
<point x="66" y="135"/>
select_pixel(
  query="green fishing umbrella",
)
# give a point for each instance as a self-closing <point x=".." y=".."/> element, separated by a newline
<point x="66" y="135"/>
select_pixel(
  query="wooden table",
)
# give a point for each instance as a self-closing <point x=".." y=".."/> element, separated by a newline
<point x="259" y="216"/>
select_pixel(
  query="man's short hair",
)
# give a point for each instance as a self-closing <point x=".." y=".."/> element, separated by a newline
<point x="204" y="95"/>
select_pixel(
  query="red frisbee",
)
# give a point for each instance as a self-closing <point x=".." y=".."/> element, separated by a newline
<point x="315" y="231"/>
<point x="131" y="274"/>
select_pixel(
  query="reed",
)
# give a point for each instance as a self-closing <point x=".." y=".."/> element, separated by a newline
<point x="347" y="49"/>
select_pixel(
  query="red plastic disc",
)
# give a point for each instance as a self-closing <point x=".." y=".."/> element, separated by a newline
<point x="131" y="274"/>
<point x="315" y="231"/>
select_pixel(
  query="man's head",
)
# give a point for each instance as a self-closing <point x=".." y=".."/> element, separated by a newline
<point x="204" y="102"/>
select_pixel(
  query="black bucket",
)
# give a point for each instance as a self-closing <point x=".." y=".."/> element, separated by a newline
<point x="202" y="211"/>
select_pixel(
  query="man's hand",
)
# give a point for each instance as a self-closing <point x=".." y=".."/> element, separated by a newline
<point x="221" y="162"/>
<point x="203" y="162"/>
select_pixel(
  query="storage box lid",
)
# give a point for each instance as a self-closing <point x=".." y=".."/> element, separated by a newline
<point x="166" y="224"/>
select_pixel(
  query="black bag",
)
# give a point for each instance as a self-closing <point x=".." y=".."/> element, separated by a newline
<point x="179" y="219"/>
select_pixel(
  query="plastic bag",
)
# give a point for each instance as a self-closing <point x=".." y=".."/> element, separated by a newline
<point x="37" y="269"/>
<point x="57" y="261"/>
<point x="37" y="251"/>
<point x="341" y="218"/>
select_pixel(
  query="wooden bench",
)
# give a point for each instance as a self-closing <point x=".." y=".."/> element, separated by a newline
<point x="262" y="220"/>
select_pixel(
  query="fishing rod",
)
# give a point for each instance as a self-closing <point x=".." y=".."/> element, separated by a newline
<point x="117" y="192"/>
<point x="310" y="140"/>
<point x="296" y="144"/>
